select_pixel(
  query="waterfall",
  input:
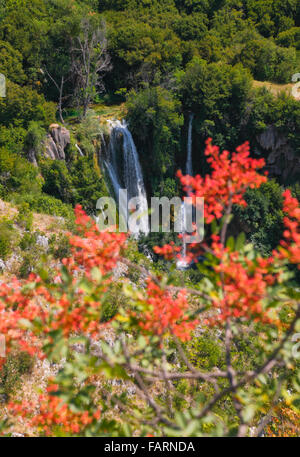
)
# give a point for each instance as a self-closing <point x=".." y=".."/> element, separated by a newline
<point x="182" y="264"/>
<point x="79" y="150"/>
<point x="113" y="178"/>
<point x="129" y="176"/>
<point x="189" y="160"/>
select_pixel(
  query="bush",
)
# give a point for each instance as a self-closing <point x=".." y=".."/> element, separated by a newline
<point x="60" y="247"/>
<point x="34" y="138"/>
<point x="28" y="241"/>
<point x="32" y="254"/>
<point x="12" y="138"/>
<point x="217" y="94"/>
<point x="15" y="366"/>
<point x="45" y="204"/>
<point x="205" y="352"/>
<point x="7" y="238"/>
<point x="81" y="182"/>
<point x="18" y="175"/>
<point x="114" y="300"/>
<point x="58" y="181"/>
<point x="25" y="216"/>
<point x="28" y="264"/>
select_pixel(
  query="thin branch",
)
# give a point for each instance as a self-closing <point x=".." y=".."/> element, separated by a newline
<point x="266" y="367"/>
<point x="268" y="417"/>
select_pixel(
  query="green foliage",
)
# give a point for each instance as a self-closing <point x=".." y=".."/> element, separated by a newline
<point x="88" y="183"/>
<point x="217" y="94"/>
<point x="79" y="183"/>
<point x="296" y="190"/>
<point x="154" y="119"/>
<point x="113" y="301"/>
<point x="269" y="62"/>
<point x="282" y="111"/>
<point x="16" y="365"/>
<point x="79" y="180"/>
<point x="59" y="247"/>
<point x="45" y="204"/>
<point x="28" y="241"/>
<point x="17" y="174"/>
<point x="289" y="38"/>
<point x="23" y="104"/>
<point x="25" y="216"/>
<point x="34" y="138"/>
<point x="32" y="253"/>
<point x="12" y="138"/>
<point x="58" y="182"/>
<point x="263" y="216"/>
<point x="272" y="16"/>
<point x="190" y="28"/>
<point x="204" y="352"/>
<point x="88" y="132"/>
<point x="29" y="264"/>
<point x="142" y="52"/>
<point x="7" y="238"/>
<point x="11" y="63"/>
<point x="182" y="390"/>
<point x="26" y="35"/>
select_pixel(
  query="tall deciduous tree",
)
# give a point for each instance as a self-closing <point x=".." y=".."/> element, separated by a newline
<point x="90" y="61"/>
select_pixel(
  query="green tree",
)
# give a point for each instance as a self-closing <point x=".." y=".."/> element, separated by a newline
<point x="18" y="175"/>
<point x="155" y="121"/>
<point x="217" y="94"/>
<point x="58" y="182"/>
<point x="11" y="63"/>
<point x="263" y="217"/>
<point x="23" y="104"/>
<point x="25" y="27"/>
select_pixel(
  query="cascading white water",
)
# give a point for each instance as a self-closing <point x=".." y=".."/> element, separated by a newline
<point x="130" y="177"/>
<point x="113" y="177"/>
<point x="182" y="263"/>
<point x="79" y="150"/>
<point x="189" y="160"/>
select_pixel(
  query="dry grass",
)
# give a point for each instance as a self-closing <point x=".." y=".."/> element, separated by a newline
<point x="106" y="112"/>
<point x="42" y="222"/>
<point x="275" y="89"/>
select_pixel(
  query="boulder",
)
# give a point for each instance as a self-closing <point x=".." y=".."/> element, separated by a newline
<point x="56" y="142"/>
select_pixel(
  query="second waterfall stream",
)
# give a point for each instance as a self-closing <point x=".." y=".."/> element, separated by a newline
<point x="182" y="264"/>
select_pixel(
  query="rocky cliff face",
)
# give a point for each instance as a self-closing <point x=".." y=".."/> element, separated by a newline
<point x="54" y="145"/>
<point x="282" y="161"/>
<point x="56" y="141"/>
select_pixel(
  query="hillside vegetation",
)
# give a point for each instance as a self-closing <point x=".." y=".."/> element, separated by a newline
<point x="105" y="334"/>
